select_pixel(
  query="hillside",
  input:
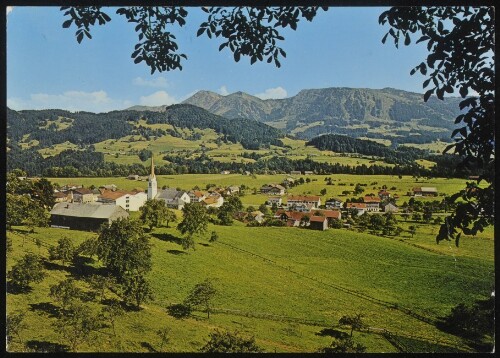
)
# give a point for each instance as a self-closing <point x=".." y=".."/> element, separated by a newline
<point x="387" y="113"/>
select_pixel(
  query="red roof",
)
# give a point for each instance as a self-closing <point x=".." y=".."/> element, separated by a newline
<point x="356" y="205"/>
<point x="335" y="214"/>
<point x="371" y="199"/>
<point x="319" y="219"/>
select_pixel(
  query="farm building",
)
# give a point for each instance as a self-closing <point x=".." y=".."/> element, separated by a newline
<point x="85" y="216"/>
<point x="82" y="195"/>
<point x="301" y="200"/>
<point x="329" y="214"/>
<point x="175" y="199"/>
<point x="318" y="223"/>
<point x="359" y="207"/>
<point x="384" y="194"/>
<point x="60" y="196"/>
<point x="231" y="190"/>
<point x="425" y="191"/>
<point x="274" y="200"/>
<point x="196" y="196"/>
<point x="133" y="177"/>
<point x="372" y="203"/>
<point x="296" y="172"/>
<point x="274" y="189"/>
<point x="128" y="200"/>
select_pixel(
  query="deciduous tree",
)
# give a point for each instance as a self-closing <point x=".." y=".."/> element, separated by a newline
<point x="202" y="295"/>
<point x="29" y="269"/>
<point x="195" y="220"/>
<point x="228" y="342"/>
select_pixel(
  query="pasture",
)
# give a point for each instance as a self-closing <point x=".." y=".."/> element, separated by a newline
<point x="286" y="286"/>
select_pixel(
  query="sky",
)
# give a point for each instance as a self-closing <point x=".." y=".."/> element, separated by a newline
<point x="47" y="68"/>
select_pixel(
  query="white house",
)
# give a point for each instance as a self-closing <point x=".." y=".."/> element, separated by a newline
<point x="196" y="196"/>
<point x="213" y="201"/>
<point x="174" y="199"/>
<point x="128" y="200"/>
<point x="274" y="200"/>
<point x="301" y="200"/>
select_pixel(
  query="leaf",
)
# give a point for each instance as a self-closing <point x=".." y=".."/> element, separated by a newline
<point x="423" y="69"/>
<point x="428" y="94"/>
<point x="407" y="39"/>
<point x="79" y="37"/>
<point x="67" y="23"/>
<point x="253" y="59"/>
<point x="236" y="56"/>
<point x="200" y="32"/>
<point x="222" y="46"/>
<point x="384" y="38"/>
<point x="463" y="91"/>
<point x="426" y="83"/>
<point x="138" y="59"/>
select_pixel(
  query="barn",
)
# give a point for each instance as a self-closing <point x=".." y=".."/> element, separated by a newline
<point x="84" y="216"/>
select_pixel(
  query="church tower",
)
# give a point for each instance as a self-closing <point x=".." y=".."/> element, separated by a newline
<point x="152" y="185"/>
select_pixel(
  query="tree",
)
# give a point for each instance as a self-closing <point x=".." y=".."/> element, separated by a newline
<point x="354" y="321"/>
<point x="412" y="230"/>
<point x="323" y="191"/>
<point x="202" y="295"/>
<point x="227" y="342"/>
<point x="377" y="222"/>
<point x="36" y="216"/>
<point x="16" y="208"/>
<point x="195" y="220"/>
<point x="124" y="248"/>
<point x="358" y="189"/>
<point x="65" y="292"/>
<point x="64" y="251"/>
<point x="153" y="213"/>
<point x="248" y="31"/>
<point x="14" y="325"/>
<point x="264" y="209"/>
<point x="77" y="324"/>
<point x="461" y="44"/>
<point x="163" y="335"/>
<point x="213" y="237"/>
<point x="427" y="215"/>
<point x="112" y="312"/>
<point x="416" y="217"/>
<point x="135" y="289"/>
<point x="43" y="192"/>
<point x="100" y="283"/>
<point x="343" y="345"/>
<point x="170" y="217"/>
<point x="27" y="270"/>
<point x="336" y="223"/>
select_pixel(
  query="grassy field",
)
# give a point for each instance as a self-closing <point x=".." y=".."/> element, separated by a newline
<point x="282" y="285"/>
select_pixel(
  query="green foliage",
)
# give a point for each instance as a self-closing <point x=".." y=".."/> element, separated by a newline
<point x="202" y="295"/>
<point x="111" y="312"/>
<point x="64" y="251"/>
<point x="336" y="223"/>
<point x="14" y="325"/>
<point x="227" y="342"/>
<point x="29" y="269"/>
<point x="343" y="345"/>
<point x="355" y="322"/>
<point x="450" y="70"/>
<point x="155" y="212"/>
<point x="36" y="216"/>
<point x="412" y="229"/>
<point x="195" y="220"/>
<point x="43" y="192"/>
<point x="179" y="310"/>
<point x="163" y="335"/>
<point x="124" y="248"/>
<point x="65" y="292"/>
<point x="135" y="289"/>
<point x="213" y="237"/>
<point x="16" y="207"/>
<point x="99" y="284"/>
<point x="77" y="324"/>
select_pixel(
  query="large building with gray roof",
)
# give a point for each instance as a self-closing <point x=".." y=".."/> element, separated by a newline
<point x="85" y="216"/>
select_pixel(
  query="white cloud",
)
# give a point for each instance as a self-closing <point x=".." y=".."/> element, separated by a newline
<point x="158" y="98"/>
<point x="9" y="9"/>
<point x="273" y="93"/>
<point x="96" y="102"/>
<point x="223" y="91"/>
<point x="158" y="82"/>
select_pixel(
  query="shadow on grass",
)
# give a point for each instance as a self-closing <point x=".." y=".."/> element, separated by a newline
<point x="47" y="307"/>
<point x="148" y="346"/>
<point x="177" y="252"/>
<point x="14" y="289"/>
<point x="203" y="244"/>
<point x="82" y="269"/>
<point x="168" y="238"/>
<point x="45" y="347"/>
<point x="52" y="266"/>
<point x="330" y="332"/>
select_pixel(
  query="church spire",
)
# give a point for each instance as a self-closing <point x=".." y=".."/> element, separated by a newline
<point x="152" y="167"/>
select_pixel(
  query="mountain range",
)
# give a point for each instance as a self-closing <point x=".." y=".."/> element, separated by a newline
<point x="377" y="113"/>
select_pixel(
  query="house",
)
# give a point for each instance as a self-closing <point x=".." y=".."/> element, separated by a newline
<point x="174" y="199"/>
<point x="308" y="172"/>
<point x="300" y="200"/>
<point x="360" y="208"/>
<point x="71" y="187"/>
<point x="60" y="196"/>
<point x="384" y="194"/>
<point x="318" y="223"/>
<point x="288" y="181"/>
<point x="274" y="189"/>
<point x="303" y="207"/>
<point x="133" y="177"/>
<point x="372" y="203"/>
<point x="329" y="214"/>
<point x="257" y="216"/>
<point x="128" y="200"/>
<point x="292" y="218"/>
<point x="274" y="200"/>
<point x="213" y="201"/>
<point x="295" y="172"/>
<point x="196" y="196"/>
<point x="231" y="190"/>
<point x="425" y="191"/>
<point x="85" y="216"/>
<point x="225" y="172"/>
<point x="83" y="195"/>
<point x="390" y="208"/>
<point x="334" y="203"/>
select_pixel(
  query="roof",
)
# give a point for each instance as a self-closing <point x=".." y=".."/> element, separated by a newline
<point x="82" y="191"/>
<point x="277" y="186"/>
<point x="211" y="200"/>
<point x="335" y="214"/>
<point x="371" y="199"/>
<point x="59" y="194"/>
<point x="87" y="210"/>
<point x="356" y="205"/>
<point x="425" y="188"/>
<point x="197" y="193"/>
<point x="169" y="194"/>
<point x="256" y="213"/>
<point x="234" y="187"/>
<point x="319" y="219"/>
<point x="303" y="198"/>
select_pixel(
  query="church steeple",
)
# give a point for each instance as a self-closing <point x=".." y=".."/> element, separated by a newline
<point x="152" y="184"/>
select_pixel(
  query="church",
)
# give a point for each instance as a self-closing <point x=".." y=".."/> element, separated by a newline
<point x="173" y="198"/>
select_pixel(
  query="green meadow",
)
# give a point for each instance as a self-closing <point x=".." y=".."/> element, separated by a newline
<point x="285" y="286"/>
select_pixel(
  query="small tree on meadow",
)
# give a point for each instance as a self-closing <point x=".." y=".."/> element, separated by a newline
<point x="135" y="289"/>
<point x="163" y="335"/>
<point x="202" y="295"/>
<point x="412" y="230"/>
<point x="343" y="345"/>
<point x="64" y="251"/>
<point x="355" y="322"/>
<point x="153" y="213"/>
<point x="29" y="269"/>
<point x="14" y="325"/>
<point x="227" y="342"/>
<point x="65" y="292"/>
<point x="195" y="221"/>
<point x="111" y="312"/>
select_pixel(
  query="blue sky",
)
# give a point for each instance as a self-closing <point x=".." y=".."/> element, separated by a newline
<point x="47" y="68"/>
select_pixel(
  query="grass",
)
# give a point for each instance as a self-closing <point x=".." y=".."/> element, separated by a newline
<point x="273" y="281"/>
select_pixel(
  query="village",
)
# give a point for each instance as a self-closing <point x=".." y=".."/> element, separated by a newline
<point x="88" y="208"/>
